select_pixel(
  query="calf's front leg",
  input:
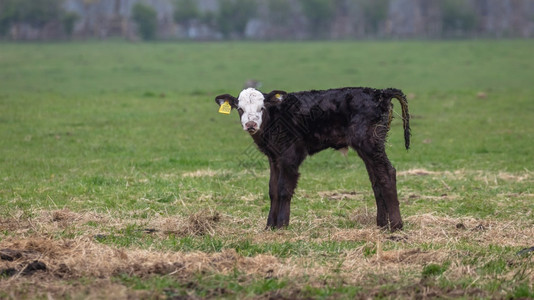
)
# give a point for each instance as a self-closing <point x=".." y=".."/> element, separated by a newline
<point x="287" y="182"/>
<point x="273" y="195"/>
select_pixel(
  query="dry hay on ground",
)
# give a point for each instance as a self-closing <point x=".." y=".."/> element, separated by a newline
<point x="341" y="195"/>
<point x="396" y="258"/>
<point x="396" y="255"/>
<point x="205" y="173"/>
<point x="84" y="257"/>
<point x="445" y="231"/>
<point x="66" y="260"/>
<point x="200" y="223"/>
<point x="479" y="175"/>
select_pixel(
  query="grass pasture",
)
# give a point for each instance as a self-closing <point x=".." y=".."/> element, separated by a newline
<point x="119" y="179"/>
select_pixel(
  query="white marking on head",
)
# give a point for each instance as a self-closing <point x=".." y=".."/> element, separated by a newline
<point x="251" y="102"/>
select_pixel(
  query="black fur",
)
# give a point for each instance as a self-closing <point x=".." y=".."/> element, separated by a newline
<point x="304" y="123"/>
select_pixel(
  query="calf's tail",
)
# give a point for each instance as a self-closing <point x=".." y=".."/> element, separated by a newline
<point x="399" y="95"/>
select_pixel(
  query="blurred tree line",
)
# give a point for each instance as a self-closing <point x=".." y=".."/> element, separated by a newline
<point x="37" y="14"/>
<point x="267" y="19"/>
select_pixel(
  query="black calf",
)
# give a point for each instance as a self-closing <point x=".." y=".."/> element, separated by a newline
<point x="287" y="127"/>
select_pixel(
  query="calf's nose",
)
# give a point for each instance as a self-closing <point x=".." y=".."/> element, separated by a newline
<point x="250" y="125"/>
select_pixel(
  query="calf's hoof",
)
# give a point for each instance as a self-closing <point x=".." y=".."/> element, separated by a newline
<point x="271" y="223"/>
<point x="395" y="226"/>
<point x="275" y="227"/>
<point x="270" y="227"/>
<point x="391" y="225"/>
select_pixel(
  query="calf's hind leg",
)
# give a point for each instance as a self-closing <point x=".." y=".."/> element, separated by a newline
<point x="384" y="183"/>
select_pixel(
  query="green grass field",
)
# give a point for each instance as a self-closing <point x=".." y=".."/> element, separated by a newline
<point x="119" y="175"/>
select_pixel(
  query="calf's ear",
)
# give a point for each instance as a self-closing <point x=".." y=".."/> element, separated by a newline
<point x="226" y="97"/>
<point x="275" y="97"/>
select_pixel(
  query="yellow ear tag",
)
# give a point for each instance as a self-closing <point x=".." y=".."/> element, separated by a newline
<point x="225" y="108"/>
<point x="278" y="96"/>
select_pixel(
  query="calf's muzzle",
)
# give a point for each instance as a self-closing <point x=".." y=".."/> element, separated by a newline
<point x="251" y="126"/>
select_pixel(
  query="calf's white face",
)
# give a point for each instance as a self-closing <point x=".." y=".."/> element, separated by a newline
<point x="250" y="106"/>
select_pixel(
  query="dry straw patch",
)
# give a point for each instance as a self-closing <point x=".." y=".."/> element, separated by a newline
<point x="391" y="264"/>
<point x="205" y="173"/>
<point x="442" y="230"/>
<point x="396" y="254"/>
<point x="341" y="195"/>
<point x="480" y="175"/>
<point x="204" y="222"/>
<point x="45" y="221"/>
<point x="85" y="257"/>
<point x="429" y="228"/>
<point x="446" y="235"/>
<point x="419" y="172"/>
<point x="201" y="223"/>
<point x="43" y="287"/>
